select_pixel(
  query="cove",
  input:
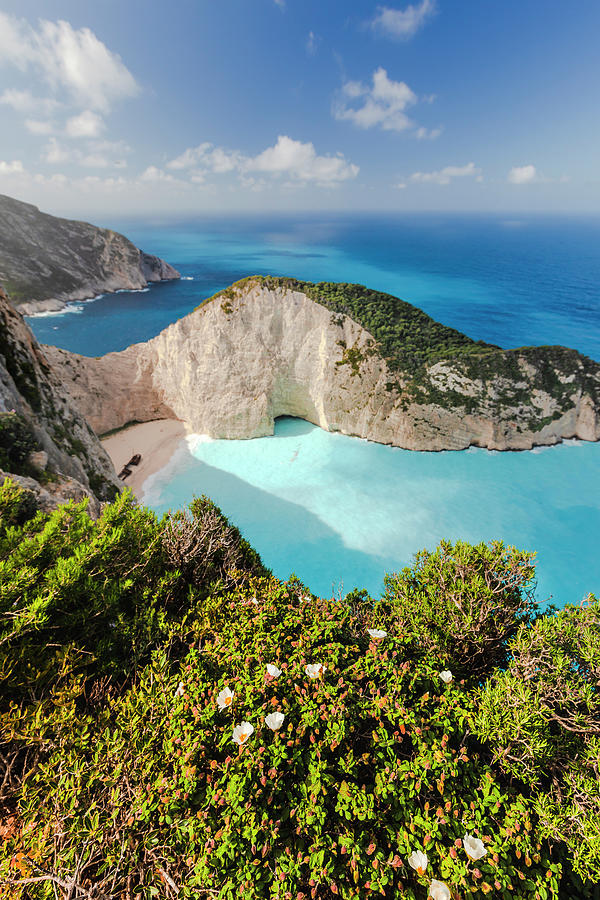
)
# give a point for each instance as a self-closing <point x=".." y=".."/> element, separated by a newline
<point x="340" y="512"/>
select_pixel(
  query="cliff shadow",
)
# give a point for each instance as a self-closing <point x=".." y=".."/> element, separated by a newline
<point x="289" y="538"/>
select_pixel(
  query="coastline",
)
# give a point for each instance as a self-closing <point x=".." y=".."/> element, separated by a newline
<point x="156" y="441"/>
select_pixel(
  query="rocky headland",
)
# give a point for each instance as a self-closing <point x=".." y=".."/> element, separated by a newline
<point x="46" y="261"/>
<point x="345" y="358"/>
<point x="45" y="442"/>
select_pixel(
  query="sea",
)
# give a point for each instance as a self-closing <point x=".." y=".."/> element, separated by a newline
<point x="340" y="512"/>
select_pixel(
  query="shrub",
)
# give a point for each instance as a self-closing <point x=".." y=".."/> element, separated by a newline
<point x="17" y="505"/>
<point x="463" y="603"/>
<point x="121" y="774"/>
<point x="206" y="549"/>
<point x="16" y="443"/>
<point x="373" y="761"/>
<point x="541" y="717"/>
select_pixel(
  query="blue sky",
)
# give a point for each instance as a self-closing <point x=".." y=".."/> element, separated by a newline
<point x="123" y="106"/>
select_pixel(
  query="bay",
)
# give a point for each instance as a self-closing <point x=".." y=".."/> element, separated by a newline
<point x="339" y="511"/>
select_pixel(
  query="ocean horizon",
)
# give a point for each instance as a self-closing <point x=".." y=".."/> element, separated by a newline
<point x="339" y="511"/>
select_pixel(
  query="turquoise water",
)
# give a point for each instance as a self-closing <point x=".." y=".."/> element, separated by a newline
<point x="339" y="511"/>
<point x="507" y="281"/>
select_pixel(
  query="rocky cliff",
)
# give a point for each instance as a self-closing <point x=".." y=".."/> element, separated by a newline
<point x="271" y="347"/>
<point x="41" y="432"/>
<point x="46" y="261"/>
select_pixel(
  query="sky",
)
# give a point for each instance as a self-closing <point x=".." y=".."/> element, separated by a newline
<point x="126" y="107"/>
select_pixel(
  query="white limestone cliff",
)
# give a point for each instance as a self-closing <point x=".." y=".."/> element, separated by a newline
<point x="254" y="353"/>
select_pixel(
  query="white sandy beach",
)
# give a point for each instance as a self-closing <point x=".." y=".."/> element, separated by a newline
<point x="156" y="442"/>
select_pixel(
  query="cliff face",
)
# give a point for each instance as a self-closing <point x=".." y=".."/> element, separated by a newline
<point x="262" y="349"/>
<point x="71" y="460"/>
<point x="46" y="261"/>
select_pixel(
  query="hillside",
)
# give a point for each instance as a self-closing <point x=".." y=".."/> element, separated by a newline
<point x="46" y="261"/>
<point x="44" y="439"/>
<point x="345" y="358"/>
<point x="177" y="723"/>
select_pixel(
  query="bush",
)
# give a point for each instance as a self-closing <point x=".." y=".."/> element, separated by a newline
<point x="16" y="443"/>
<point x="541" y="717"/>
<point x="463" y="603"/>
<point x="17" y="505"/>
<point x="122" y="777"/>
<point x="206" y="549"/>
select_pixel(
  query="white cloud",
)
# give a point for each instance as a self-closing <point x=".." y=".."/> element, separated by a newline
<point x="445" y="175"/>
<point x="25" y="102"/>
<point x="522" y="174"/>
<point x="382" y="105"/>
<point x="293" y="159"/>
<point x="37" y="126"/>
<point x="55" y="154"/>
<point x="69" y="59"/>
<point x="11" y="168"/>
<point x="207" y="158"/>
<point x="153" y="174"/>
<point x="429" y="134"/>
<point x="403" y="23"/>
<point x="87" y="124"/>
<point x="94" y="161"/>
<point x="299" y="161"/>
<point x="95" y="155"/>
<point x="312" y="42"/>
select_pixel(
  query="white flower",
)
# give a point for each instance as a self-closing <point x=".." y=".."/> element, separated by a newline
<point x="473" y="847"/>
<point x="274" y="720"/>
<point x="225" y="698"/>
<point x="377" y="633"/>
<point x="446" y="676"/>
<point x="418" y="861"/>
<point x="438" y="890"/>
<point x="180" y="689"/>
<point x="255" y="601"/>
<point x="242" y="732"/>
<point x="273" y="671"/>
<point x="315" y="670"/>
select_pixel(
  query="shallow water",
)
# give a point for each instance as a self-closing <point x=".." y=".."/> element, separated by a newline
<point x="339" y="511"/>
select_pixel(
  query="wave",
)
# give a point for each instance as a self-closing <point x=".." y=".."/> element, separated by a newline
<point x="135" y="291"/>
<point x="73" y="306"/>
<point x="194" y="441"/>
<point x="52" y="313"/>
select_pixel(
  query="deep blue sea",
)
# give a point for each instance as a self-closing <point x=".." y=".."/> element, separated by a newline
<point x="339" y="511"/>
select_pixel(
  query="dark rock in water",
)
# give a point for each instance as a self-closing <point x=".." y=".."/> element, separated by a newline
<point x="47" y="261"/>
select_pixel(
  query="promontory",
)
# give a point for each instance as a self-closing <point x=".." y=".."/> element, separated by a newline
<point x="46" y="261"/>
<point x="344" y="357"/>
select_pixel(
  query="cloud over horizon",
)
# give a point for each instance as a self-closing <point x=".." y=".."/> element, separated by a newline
<point x="289" y="158"/>
<point x="522" y="174"/>
<point x="445" y="176"/>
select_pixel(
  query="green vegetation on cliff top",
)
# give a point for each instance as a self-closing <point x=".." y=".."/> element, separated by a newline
<point x="132" y="648"/>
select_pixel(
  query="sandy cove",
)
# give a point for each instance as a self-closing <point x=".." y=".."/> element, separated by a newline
<point x="156" y="441"/>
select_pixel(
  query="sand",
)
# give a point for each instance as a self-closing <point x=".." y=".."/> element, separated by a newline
<point x="156" y="441"/>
